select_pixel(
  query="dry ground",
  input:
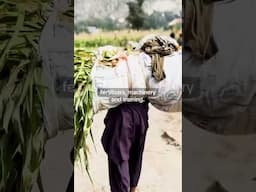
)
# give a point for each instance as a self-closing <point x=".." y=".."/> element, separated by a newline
<point x="162" y="158"/>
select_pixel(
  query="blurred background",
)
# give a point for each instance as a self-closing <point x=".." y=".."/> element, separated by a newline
<point x="117" y="22"/>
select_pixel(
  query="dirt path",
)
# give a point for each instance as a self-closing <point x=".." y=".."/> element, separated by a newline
<point x="161" y="169"/>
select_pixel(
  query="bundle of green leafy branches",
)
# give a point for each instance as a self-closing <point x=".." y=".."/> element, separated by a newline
<point x="83" y="115"/>
<point x="22" y="131"/>
<point x="21" y="94"/>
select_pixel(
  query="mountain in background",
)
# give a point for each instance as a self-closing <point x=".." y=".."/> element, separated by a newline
<point x="118" y="9"/>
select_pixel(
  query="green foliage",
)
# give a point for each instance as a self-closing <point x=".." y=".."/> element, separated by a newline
<point x="136" y="15"/>
<point x="158" y="20"/>
<point x="21" y="95"/>
<point x="83" y="114"/>
<point x="22" y="131"/>
<point x="105" y="24"/>
<point x="98" y="42"/>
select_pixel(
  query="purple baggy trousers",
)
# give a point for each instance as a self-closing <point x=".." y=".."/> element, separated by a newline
<point x="123" y="140"/>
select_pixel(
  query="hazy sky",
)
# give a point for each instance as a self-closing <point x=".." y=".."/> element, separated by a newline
<point x="117" y="8"/>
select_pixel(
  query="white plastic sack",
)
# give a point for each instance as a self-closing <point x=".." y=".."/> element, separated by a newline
<point x="169" y="90"/>
<point x="129" y="77"/>
<point x="110" y="79"/>
<point x="134" y="76"/>
<point x="57" y="64"/>
<point x="137" y="72"/>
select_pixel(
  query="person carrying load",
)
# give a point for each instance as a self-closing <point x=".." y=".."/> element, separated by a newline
<point x="126" y="124"/>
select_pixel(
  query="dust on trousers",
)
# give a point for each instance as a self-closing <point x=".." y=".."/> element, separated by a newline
<point x="123" y="140"/>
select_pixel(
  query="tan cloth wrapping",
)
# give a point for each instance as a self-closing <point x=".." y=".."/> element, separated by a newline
<point x="198" y="37"/>
<point x="157" y="48"/>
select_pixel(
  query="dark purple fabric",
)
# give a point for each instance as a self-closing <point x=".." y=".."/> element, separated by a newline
<point x="119" y="177"/>
<point x="123" y="140"/>
<point x="125" y="125"/>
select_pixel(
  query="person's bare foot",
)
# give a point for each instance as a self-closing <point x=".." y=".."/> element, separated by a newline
<point x="134" y="189"/>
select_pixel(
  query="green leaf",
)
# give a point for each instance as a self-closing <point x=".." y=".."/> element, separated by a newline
<point x="7" y="114"/>
<point x="19" y="24"/>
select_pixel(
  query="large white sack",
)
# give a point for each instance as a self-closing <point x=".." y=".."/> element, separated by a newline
<point x="135" y="76"/>
<point x="110" y="78"/>
<point x="137" y="72"/>
<point x="169" y="90"/>
<point x="57" y="71"/>
<point x="129" y="77"/>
